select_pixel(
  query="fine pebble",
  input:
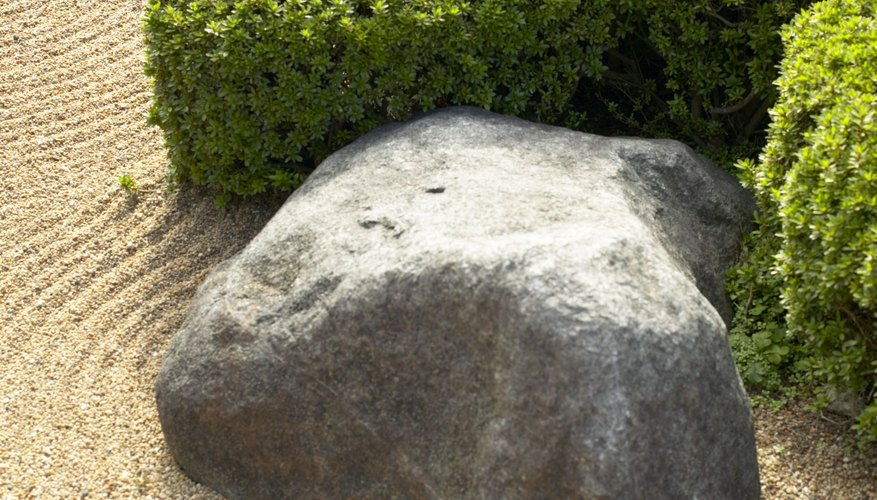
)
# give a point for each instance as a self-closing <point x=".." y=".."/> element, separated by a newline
<point x="94" y="282"/>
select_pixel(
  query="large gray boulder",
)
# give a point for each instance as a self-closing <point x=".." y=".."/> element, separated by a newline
<point x="471" y="306"/>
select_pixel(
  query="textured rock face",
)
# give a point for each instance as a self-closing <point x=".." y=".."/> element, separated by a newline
<point x="473" y="306"/>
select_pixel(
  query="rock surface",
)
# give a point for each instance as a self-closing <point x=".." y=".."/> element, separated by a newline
<point x="473" y="306"/>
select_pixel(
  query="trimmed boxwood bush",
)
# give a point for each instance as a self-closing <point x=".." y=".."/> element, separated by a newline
<point x="252" y="94"/>
<point x="816" y="184"/>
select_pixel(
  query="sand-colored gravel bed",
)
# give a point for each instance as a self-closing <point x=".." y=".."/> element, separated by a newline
<point x="94" y="283"/>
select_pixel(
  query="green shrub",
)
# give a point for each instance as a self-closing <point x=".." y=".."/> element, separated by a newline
<point x="698" y="71"/>
<point x="253" y="94"/>
<point x="816" y="184"/>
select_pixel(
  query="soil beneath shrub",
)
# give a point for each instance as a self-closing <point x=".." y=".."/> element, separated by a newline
<point x="94" y="282"/>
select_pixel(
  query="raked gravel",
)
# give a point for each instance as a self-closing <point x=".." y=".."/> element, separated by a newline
<point x="94" y="283"/>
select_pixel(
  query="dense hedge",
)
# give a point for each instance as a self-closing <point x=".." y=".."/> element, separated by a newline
<point x="252" y="94"/>
<point x="816" y="183"/>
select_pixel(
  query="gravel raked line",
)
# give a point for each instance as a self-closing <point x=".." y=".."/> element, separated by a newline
<point x="94" y="283"/>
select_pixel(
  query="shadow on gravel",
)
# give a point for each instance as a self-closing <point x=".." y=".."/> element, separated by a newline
<point x="173" y="242"/>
